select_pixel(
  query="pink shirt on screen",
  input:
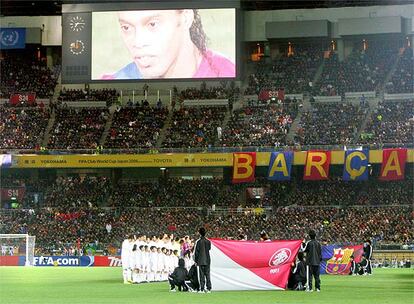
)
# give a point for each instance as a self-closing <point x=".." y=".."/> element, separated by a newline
<point x="215" y="65"/>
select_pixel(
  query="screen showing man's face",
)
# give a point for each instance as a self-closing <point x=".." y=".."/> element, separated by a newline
<point x="153" y="39"/>
<point x="175" y="44"/>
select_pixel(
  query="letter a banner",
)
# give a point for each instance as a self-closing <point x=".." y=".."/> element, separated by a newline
<point x="393" y="164"/>
<point x="355" y="165"/>
<point x="244" y="165"/>
<point x="251" y="265"/>
<point x="317" y="165"/>
<point x="280" y="166"/>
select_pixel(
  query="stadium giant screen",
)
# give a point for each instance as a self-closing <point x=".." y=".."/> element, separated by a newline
<point x="120" y="42"/>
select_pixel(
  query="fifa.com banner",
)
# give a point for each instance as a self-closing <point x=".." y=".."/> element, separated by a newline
<point x="44" y="261"/>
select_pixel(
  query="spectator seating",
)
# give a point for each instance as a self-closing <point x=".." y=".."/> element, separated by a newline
<point x="88" y="95"/>
<point x="262" y="125"/>
<point x="392" y="122"/>
<point x="330" y="123"/>
<point x="136" y="127"/>
<point x="194" y="127"/>
<point x="25" y="73"/>
<point x="22" y="128"/>
<point x="77" y="128"/>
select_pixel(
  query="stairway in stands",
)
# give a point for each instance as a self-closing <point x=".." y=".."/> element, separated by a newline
<point x="380" y="88"/>
<point x="164" y="129"/>
<point x="290" y="137"/>
<point x="108" y="125"/>
<point x="318" y="73"/>
<point x="373" y="105"/>
<point x="50" y="123"/>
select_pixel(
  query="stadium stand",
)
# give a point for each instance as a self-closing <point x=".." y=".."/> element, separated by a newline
<point x="25" y="73"/>
<point x="87" y="95"/>
<point x="293" y="72"/>
<point x="386" y="224"/>
<point x="363" y="70"/>
<point x="136" y="127"/>
<point x="339" y="121"/>
<point x="77" y="128"/>
<point x="392" y="122"/>
<point x="22" y="128"/>
<point x="262" y="125"/>
<point x="402" y="80"/>
<point x="194" y="127"/>
<point x="79" y="208"/>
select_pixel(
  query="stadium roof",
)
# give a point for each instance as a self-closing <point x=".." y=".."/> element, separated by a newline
<point x="38" y="8"/>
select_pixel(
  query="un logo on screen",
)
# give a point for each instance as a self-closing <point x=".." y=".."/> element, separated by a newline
<point x="280" y="257"/>
<point x="9" y="38"/>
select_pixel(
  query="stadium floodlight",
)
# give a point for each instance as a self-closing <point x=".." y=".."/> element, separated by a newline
<point x="8" y="242"/>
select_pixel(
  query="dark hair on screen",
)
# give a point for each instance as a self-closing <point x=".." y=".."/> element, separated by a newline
<point x="197" y="34"/>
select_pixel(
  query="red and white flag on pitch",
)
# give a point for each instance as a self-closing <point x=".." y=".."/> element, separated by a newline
<point x="250" y="265"/>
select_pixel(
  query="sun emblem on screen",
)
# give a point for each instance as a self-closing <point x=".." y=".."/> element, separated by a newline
<point x="77" y="47"/>
<point x="77" y="24"/>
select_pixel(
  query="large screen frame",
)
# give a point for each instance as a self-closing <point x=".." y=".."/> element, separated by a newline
<point x="76" y="43"/>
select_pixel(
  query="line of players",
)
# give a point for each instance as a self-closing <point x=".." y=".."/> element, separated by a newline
<point x="145" y="260"/>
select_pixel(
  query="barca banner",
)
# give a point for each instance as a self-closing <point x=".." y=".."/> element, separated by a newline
<point x="336" y="259"/>
<point x="317" y="165"/>
<point x="280" y="166"/>
<point x="393" y="164"/>
<point x="244" y="165"/>
<point x="356" y="165"/>
<point x="251" y="265"/>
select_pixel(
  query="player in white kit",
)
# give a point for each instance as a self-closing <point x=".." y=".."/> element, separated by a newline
<point x="126" y="252"/>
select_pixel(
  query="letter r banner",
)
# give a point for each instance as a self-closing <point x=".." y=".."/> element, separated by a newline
<point x="317" y="165"/>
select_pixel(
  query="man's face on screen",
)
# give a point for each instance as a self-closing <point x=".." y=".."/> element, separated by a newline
<point x="154" y="39"/>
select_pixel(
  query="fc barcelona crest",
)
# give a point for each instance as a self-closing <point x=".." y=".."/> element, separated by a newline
<point x="340" y="261"/>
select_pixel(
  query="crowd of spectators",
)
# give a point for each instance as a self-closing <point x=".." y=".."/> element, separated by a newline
<point x="136" y="127"/>
<point x="88" y="192"/>
<point x="22" y="128"/>
<point x="194" y="127"/>
<point x="77" y="192"/>
<point x="174" y="193"/>
<point x="392" y="122"/>
<point x="335" y="192"/>
<point x="225" y="91"/>
<point x="76" y="128"/>
<point x="54" y="228"/>
<point x="402" y="80"/>
<point x="23" y="72"/>
<point x="261" y="125"/>
<point x="80" y="209"/>
<point x="363" y="70"/>
<point x="88" y="95"/>
<point x="330" y="123"/>
<point x="292" y="72"/>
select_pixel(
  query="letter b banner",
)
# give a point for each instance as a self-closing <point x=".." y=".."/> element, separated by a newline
<point x="244" y="165"/>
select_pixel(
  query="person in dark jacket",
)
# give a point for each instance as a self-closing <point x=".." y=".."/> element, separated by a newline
<point x="177" y="278"/>
<point x="354" y="267"/>
<point x="297" y="278"/>
<point x="368" y="256"/>
<point x="362" y="266"/>
<point x="313" y="252"/>
<point x="192" y="279"/>
<point x="202" y="260"/>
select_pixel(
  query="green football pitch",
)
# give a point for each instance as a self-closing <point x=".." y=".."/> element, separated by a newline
<point x="103" y="285"/>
